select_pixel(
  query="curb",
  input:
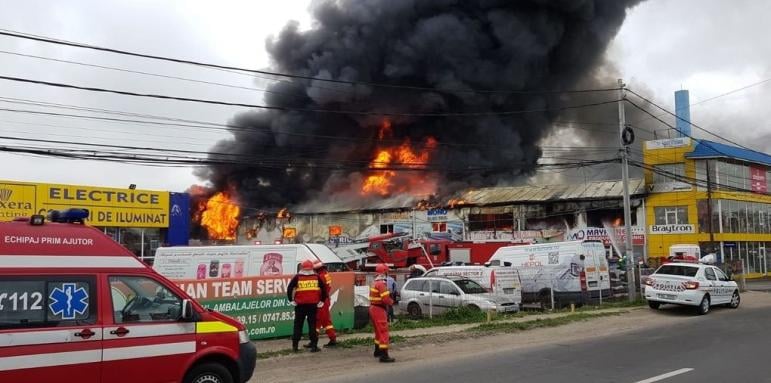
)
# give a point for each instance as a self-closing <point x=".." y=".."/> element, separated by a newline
<point x="284" y="345"/>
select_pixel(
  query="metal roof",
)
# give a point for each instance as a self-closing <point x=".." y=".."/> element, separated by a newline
<point x="711" y="149"/>
<point x="582" y="191"/>
<point x="490" y="196"/>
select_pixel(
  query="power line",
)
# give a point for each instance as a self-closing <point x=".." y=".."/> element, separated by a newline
<point x="682" y="119"/>
<point x="293" y="109"/>
<point x="730" y="92"/>
<point x="50" y="40"/>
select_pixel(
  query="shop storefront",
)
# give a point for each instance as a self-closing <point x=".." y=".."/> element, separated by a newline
<point x="141" y="220"/>
<point x="713" y="195"/>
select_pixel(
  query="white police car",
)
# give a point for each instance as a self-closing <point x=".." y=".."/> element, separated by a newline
<point x="691" y="284"/>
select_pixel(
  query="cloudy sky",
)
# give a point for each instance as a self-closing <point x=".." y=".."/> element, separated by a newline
<point x="711" y="47"/>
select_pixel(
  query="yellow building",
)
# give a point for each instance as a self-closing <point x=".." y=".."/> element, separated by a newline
<point x="710" y="194"/>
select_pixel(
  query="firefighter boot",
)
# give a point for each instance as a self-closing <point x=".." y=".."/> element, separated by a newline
<point x="377" y="352"/>
<point x="331" y="343"/>
<point x="384" y="358"/>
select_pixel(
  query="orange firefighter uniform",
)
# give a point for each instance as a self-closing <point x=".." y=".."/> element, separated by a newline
<point x="323" y="318"/>
<point x="379" y="301"/>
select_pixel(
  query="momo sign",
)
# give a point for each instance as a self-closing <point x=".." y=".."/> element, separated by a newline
<point x="672" y="229"/>
<point x="107" y="206"/>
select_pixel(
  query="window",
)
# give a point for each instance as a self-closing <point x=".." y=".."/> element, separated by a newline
<point x="671" y="215"/>
<point x="435" y="249"/>
<point x="141" y="299"/>
<point x="439" y="227"/>
<point x="386" y="229"/>
<point x="47" y="301"/>
<point x="470" y="287"/>
<point x="668" y="173"/>
<point x="720" y="275"/>
<point x="416" y="285"/>
<point x="685" y="271"/>
<point x="710" y="274"/>
<point x="448" y="288"/>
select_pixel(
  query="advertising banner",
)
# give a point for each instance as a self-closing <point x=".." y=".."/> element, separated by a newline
<point x="107" y="206"/>
<point x="261" y="304"/>
<point x="179" y="225"/>
<point x="672" y="229"/>
<point x="758" y="179"/>
<point x="601" y="234"/>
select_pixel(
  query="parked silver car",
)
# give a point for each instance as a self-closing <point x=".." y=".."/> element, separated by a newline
<point x="439" y="294"/>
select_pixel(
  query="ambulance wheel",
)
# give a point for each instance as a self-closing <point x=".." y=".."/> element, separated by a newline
<point x="209" y="373"/>
<point x="654" y="305"/>
<point x="413" y="310"/>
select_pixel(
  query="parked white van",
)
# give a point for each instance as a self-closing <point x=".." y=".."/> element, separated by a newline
<point x="495" y="279"/>
<point x="202" y="262"/>
<point x="565" y="268"/>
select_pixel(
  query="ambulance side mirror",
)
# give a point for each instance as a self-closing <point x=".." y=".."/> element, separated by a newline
<point x="187" y="310"/>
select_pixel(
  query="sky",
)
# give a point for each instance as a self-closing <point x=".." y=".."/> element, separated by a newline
<point x="710" y="47"/>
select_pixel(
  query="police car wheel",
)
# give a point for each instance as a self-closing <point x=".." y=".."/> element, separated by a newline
<point x="209" y="373"/>
<point x="735" y="300"/>
<point x="703" y="306"/>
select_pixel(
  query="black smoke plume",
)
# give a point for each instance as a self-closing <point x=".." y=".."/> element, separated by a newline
<point x="452" y="45"/>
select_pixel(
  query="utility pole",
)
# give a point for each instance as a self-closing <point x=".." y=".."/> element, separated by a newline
<point x="630" y="261"/>
<point x="709" y="210"/>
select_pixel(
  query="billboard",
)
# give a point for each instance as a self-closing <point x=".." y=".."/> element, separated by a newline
<point x="109" y="207"/>
<point x="758" y="179"/>
<point x="261" y="304"/>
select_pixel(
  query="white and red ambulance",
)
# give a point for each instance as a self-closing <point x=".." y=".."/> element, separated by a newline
<point x="75" y="306"/>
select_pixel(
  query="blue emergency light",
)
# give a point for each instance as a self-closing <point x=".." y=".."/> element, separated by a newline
<point x="72" y="215"/>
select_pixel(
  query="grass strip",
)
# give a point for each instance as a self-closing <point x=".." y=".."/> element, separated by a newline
<point x="508" y="327"/>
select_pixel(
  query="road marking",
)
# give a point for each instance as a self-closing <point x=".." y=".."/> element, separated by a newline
<point x="666" y="376"/>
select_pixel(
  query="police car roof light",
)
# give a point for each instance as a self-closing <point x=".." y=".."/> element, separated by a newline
<point x="72" y="215"/>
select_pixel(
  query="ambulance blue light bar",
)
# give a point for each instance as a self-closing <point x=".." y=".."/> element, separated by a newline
<point x="72" y="215"/>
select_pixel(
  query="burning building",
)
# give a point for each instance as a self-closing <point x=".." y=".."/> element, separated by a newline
<point x="388" y="101"/>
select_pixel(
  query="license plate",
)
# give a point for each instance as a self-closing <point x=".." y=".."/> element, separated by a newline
<point x="666" y="296"/>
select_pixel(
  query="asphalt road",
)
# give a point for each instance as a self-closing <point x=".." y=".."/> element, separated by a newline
<point x="723" y="346"/>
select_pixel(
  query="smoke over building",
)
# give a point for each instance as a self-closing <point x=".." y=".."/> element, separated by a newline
<point x="513" y="48"/>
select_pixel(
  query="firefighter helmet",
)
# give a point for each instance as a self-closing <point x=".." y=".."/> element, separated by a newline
<point x="381" y="268"/>
<point x="307" y="265"/>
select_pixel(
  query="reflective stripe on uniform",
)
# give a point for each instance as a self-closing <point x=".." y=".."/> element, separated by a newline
<point x="383" y="294"/>
<point x="69" y="261"/>
<point x="213" y="327"/>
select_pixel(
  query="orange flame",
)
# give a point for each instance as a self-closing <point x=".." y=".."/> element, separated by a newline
<point x="219" y="215"/>
<point x="455" y="202"/>
<point x="382" y="181"/>
<point x="283" y="213"/>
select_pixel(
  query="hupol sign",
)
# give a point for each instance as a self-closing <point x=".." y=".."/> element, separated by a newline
<point x="672" y="229"/>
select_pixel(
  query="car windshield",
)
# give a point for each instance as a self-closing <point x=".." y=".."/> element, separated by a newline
<point x="685" y="271"/>
<point x="470" y="287"/>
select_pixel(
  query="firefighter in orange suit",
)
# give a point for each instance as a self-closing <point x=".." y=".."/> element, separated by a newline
<point x="379" y="301"/>
<point x="307" y="293"/>
<point x="323" y="318"/>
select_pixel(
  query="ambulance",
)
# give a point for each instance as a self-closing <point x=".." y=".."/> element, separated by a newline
<point x="75" y="306"/>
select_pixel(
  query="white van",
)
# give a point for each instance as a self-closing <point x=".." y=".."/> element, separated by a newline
<point x="565" y="268"/>
<point x="202" y="262"/>
<point x="497" y="280"/>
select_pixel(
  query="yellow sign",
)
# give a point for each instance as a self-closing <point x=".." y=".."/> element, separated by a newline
<point x="107" y="206"/>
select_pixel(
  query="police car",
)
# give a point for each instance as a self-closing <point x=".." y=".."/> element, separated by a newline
<point x="691" y="284"/>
